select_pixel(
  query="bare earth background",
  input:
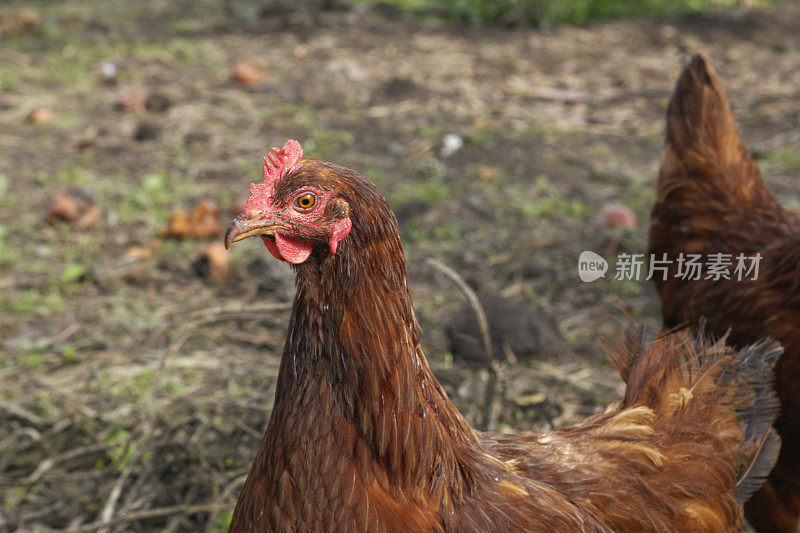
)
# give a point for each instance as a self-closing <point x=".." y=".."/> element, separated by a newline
<point x="135" y="389"/>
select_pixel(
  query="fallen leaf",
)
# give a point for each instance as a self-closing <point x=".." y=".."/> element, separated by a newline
<point x="131" y="99"/>
<point x="249" y="72"/>
<point x="486" y="173"/>
<point x="74" y="206"/>
<point x="177" y="226"/>
<point x="201" y="222"/>
<point x="19" y="21"/>
<point x="40" y="115"/>
<point x="530" y="399"/>
<point x="213" y="263"/>
<point x="138" y="253"/>
<point x="300" y="51"/>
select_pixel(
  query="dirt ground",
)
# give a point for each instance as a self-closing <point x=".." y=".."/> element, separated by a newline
<point x="134" y="389"/>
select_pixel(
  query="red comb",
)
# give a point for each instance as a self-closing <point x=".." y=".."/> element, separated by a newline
<point x="277" y="163"/>
<point x="281" y="161"/>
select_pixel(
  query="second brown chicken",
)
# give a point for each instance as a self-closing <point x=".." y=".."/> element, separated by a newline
<point x="712" y="203"/>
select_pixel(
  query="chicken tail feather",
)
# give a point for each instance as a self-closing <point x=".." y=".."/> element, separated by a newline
<point x="703" y="143"/>
<point x="688" y="378"/>
<point x="755" y="367"/>
<point x="755" y="475"/>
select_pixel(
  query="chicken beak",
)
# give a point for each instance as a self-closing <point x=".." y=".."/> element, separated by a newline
<point x="242" y="227"/>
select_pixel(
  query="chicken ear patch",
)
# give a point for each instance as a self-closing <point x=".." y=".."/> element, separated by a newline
<point x="339" y="230"/>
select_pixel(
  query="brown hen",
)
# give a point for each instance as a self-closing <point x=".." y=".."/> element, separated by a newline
<point x="711" y="200"/>
<point x="362" y="437"/>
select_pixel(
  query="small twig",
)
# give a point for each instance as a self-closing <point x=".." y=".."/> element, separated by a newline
<point x="144" y="514"/>
<point x="605" y="96"/>
<point x="12" y="442"/>
<point x="215" y="314"/>
<point x="47" y="465"/>
<point x="491" y="406"/>
<point x="511" y="357"/>
<point x="191" y="326"/>
<point x="474" y="302"/>
<point x="399" y="108"/>
<point x="68" y="332"/>
<point x="243" y="309"/>
<point x="107" y="514"/>
<point x="33" y="516"/>
<point x="237" y="482"/>
<point x="177" y="519"/>
<point x="14" y="436"/>
<point x="247" y="429"/>
<point x="25" y="416"/>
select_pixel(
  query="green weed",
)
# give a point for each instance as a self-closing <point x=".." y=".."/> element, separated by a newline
<point x="545" y="13"/>
<point x="223" y="521"/>
<point x="786" y="159"/>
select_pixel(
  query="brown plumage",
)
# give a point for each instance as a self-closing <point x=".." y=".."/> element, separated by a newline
<point x="362" y="437"/>
<point x="711" y="199"/>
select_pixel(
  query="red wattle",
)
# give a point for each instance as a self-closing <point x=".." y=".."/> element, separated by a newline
<point x="273" y="248"/>
<point x="289" y="249"/>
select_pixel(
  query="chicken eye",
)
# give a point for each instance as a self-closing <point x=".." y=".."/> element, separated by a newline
<point x="306" y="201"/>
